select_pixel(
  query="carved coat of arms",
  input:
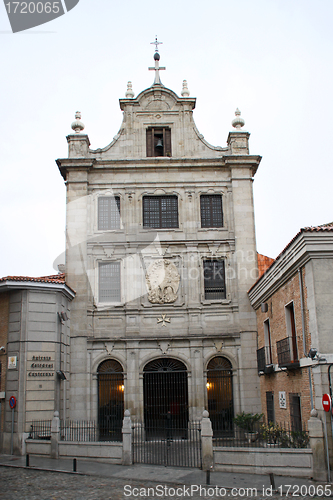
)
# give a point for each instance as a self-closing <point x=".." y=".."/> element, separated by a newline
<point x="162" y="281"/>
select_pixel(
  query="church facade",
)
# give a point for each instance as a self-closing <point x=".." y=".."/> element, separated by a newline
<point x="161" y="252"/>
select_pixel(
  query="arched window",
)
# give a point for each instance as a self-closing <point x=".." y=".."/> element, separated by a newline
<point x="110" y="400"/>
<point x="220" y="395"/>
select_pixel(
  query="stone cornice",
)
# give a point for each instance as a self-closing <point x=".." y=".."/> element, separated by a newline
<point x="65" y="164"/>
<point x="11" y="285"/>
<point x="304" y="247"/>
<point x="225" y="161"/>
<point x="167" y="162"/>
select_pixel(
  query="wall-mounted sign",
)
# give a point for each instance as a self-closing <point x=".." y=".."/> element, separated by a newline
<point x="282" y="400"/>
<point x="327" y="403"/>
<point x="41" y="366"/>
<point x="12" y="402"/>
<point x="12" y="362"/>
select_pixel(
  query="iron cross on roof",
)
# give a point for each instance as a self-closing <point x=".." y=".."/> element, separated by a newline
<point x="157" y="67"/>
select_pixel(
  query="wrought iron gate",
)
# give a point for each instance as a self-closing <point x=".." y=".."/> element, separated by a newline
<point x="167" y="445"/>
<point x="166" y="437"/>
<point x="165" y="394"/>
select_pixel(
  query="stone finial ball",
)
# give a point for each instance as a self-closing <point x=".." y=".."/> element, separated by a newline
<point x="127" y="413"/>
<point x="205" y="414"/>
<point x="314" y="413"/>
<point x="157" y="56"/>
<point x="56" y="414"/>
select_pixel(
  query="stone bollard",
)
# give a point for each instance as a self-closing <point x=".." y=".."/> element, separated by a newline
<point x="55" y="434"/>
<point x="127" y="439"/>
<point x="316" y="435"/>
<point x="207" y="442"/>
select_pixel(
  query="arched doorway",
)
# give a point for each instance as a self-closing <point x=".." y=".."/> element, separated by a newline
<point x="220" y="395"/>
<point x="110" y="400"/>
<point x="165" y="395"/>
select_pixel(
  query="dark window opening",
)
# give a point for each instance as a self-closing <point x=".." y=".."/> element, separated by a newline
<point x="295" y="412"/>
<point x="270" y="406"/>
<point x="160" y="211"/>
<point x="108" y="212"/>
<point x="211" y="210"/>
<point x="158" y="142"/>
<point x="214" y="279"/>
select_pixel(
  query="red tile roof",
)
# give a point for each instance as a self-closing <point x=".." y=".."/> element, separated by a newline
<point x="323" y="227"/>
<point x="263" y="263"/>
<point x="312" y="229"/>
<point x="55" y="278"/>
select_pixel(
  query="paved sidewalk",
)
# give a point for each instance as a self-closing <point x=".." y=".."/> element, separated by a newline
<point x="159" y="474"/>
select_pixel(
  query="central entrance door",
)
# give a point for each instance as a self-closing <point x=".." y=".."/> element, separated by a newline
<point x="166" y="437"/>
<point x="165" y="395"/>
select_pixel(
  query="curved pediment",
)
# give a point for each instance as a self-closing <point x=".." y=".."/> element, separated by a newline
<point x="156" y="98"/>
<point x="157" y="105"/>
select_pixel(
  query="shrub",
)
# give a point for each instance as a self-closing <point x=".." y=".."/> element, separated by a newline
<point x="275" y="434"/>
<point x="247" y="421"/>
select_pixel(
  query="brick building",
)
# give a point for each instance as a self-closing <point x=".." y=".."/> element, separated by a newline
<point x="293" y="302"/>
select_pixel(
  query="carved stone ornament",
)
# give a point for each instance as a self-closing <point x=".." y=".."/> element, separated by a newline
<point x="162" y="281"/>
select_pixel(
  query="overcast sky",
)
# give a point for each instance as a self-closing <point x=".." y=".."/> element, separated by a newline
<point x="271" y="58"/>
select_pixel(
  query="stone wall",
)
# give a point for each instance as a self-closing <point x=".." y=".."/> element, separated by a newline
<point x="4" y="314"/>
<point x="283" y="462"/>
<point x="40" y="342"/>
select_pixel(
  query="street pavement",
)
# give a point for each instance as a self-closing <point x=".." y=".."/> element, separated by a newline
<point x="51" y="479"/>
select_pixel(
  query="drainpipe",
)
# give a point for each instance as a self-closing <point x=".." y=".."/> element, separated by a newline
<point x="301" y="289"/>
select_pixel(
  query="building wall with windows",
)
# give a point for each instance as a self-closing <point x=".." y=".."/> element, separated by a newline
<point x="161" y="252"/>
<point x="292" y="301"/>
<point x="292" y="379"/>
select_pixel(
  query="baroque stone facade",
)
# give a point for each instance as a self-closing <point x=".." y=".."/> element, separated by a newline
<point x="161" y="253"/>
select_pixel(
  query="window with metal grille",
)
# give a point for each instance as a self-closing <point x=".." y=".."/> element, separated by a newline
<point x="108" y="213"/>
<point x="291" y="330"/>
<point x="109" y="282"/>
<point x="214" y="279"/>
<point x="268" y="342"/>
<point x="295" y="412"/>
<point x="160" y="211"/>
<point x="211" y="210"/>
<point x="158" y="141"/>
<point x="270" y="406"/>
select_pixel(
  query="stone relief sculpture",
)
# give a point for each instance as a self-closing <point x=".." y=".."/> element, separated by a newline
<point x="162" y="281"/>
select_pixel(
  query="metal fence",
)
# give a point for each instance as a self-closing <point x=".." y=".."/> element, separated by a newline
<point x="167" y="444"/>
<point x="262" y="435"/>
<point x="40" y="429"/>
<point x="78" y="430"/>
